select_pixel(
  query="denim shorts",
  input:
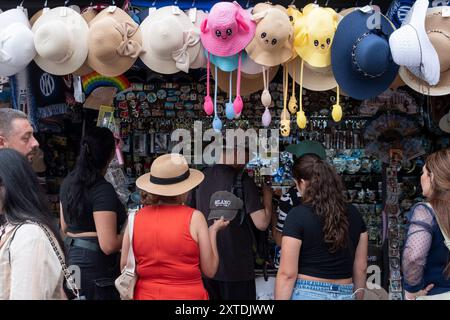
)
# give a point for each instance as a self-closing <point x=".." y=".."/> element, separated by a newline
<point x="315" y="290"/>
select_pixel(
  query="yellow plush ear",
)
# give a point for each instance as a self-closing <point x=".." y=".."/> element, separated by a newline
<point x="308" y="8"/>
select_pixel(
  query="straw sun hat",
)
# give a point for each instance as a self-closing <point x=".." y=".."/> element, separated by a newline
<point x="438" y="29"/>
<point x="170" y="176"/>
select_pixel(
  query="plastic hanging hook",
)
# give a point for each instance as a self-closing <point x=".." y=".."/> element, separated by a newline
<point x="193" y="4"/>
<point x="46" y="4"/>
<point x="247" y="4"/>
<point x="154" y="3"/>
<point x="292" y="3"/>
<point x="113" y="2"/>
<point x="326" y="3"/>
<point x="21" y="3"/>
<point x="66" y="3"/>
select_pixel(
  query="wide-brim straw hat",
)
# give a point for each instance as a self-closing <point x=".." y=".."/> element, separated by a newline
<point x="170" y="176"/>
<point x="250" y="83"/>
<point x="412" y="48"/>
<point x="115" y="42"/>
<point x="201" y="60"/>
<point x="61" y="41"/>
<point x="438" y="30"/>
<point x="171" y="41"/>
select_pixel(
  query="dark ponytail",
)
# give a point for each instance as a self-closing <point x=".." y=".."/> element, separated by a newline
<point x="96" y="150"/>
<point x="325" y="193"/>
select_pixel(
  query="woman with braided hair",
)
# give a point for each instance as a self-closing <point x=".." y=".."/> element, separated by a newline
<point x="324" y="240"/>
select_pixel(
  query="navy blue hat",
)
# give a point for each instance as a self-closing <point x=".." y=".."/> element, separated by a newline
<point x="360" y="54"/>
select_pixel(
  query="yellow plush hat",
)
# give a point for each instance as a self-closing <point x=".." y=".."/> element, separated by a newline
<point x="314" y="33"/>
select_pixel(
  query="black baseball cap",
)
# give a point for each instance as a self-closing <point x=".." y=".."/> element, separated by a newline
<point x="224" y="204"/>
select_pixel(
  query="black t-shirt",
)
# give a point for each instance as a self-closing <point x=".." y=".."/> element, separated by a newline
<point x="101" y="197"/>
<point x="315" y="260"/>
<point x="236" y="262"/>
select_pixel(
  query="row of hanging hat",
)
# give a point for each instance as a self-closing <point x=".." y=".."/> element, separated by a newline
<point x="358" y="50"/>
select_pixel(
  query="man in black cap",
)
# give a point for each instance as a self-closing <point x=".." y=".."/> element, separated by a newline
<point x="235" y="278"/>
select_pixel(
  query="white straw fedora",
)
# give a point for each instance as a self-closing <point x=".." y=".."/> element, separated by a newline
<point x="411" y="47"/>
<point x="170" y="176"/>
<point x="437" y="27"/>
<point x="61" y="41"/>
<point x="171" y="43"/>
<point x="16" y="42"/>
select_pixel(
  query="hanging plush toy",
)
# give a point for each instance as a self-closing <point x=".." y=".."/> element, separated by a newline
<point x="301" y="117"/>
<point x="336" y="112"/>
<point x="285" y="122"/>
<point x="293" y="100"/>
<point x="217" y="123"/>
<point x="229" y="107"/>
<point x="266" y="99"/>
<point x="208" y="105"/>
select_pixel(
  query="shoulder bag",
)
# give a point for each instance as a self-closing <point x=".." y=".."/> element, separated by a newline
<point x="126" y="282"/>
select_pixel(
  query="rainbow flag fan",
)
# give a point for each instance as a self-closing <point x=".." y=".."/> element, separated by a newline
<point x="94" y="80"/>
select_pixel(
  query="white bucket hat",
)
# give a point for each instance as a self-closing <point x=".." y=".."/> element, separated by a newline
<point x="61" y="41"/>
<point x="16" y="42"/>
<point x="411" y="47"/>
<point x="171" y="43"/>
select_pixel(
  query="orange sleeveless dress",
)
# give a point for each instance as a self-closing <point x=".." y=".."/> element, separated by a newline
<point x="167" y="258"/>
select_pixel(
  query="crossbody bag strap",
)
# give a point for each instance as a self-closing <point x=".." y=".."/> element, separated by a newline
<point x="67" y="275"/>
<point x="131" y="262"/>
<point x="446" y="238"/>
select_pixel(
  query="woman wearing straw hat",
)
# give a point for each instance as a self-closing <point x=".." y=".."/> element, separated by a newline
<point x="171" y="242"/>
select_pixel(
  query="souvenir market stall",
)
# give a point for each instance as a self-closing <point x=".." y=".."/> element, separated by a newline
<point x="375" y="95"/>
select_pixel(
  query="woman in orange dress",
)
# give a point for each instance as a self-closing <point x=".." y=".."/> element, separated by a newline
<point x="172" y="243"/>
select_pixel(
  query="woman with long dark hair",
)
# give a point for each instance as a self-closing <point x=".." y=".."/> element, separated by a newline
<point x="92" y="217"/>
<point x="29" y="265"/>
<point x="426" y="255"/>
<point x="324" y="240"/>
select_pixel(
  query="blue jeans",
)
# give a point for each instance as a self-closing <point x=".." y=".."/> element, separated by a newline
<point x="315" y="290"/>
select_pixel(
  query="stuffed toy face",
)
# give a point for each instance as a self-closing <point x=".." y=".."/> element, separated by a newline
<point x="315" y="29"/>
<point x="274" y="29"/>
<point x="285" y="127"/>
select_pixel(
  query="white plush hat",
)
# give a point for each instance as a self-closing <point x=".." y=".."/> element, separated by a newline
<point x="61" y="41"/>
<point x="411" y="47"/>
<point x="16" y="42"/>
<point x="171" y="42"/>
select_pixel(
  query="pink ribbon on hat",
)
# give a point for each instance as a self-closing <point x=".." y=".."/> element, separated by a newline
<point x="128" y="47"/>
<point x="181" y="56"/>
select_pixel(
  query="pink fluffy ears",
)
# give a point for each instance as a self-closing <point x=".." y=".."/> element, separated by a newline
<point x="243" y="27"/>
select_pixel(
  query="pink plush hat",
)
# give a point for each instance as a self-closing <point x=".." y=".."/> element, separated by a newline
<point x="227" y="30"/>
